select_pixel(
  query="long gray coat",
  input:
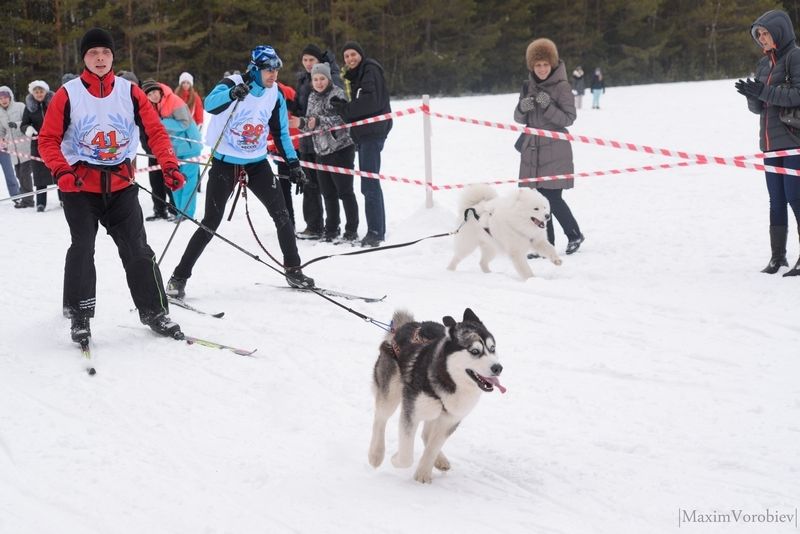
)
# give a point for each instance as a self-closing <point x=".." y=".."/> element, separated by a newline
<point x="13" y="113"/>
<point x="771" y="70"/>
<point x="543" y="156"/>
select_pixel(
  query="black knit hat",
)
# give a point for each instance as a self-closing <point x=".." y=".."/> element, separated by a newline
<point x="312" y="50"/>
<point x="353" y="45"/>
<point x="96" y="37"/>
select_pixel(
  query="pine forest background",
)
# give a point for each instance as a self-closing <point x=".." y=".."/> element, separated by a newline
<point x="436" y="47"/>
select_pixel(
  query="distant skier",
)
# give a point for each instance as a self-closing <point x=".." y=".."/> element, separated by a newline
<point x="88" y="139"/>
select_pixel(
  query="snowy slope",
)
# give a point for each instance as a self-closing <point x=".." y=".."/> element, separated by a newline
<point x="655" y="370"/>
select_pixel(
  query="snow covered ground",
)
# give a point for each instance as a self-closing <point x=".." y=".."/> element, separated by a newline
<point x="655" y="371"/>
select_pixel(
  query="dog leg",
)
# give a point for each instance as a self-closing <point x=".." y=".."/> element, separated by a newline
<point x="405" y="444"/>
<point x="544" y="248"/>
<point x="385" y="405"/>
<point x="441" y="463"/>
<point x="463" y="247"/>
<point x="487" y="255"/>
<point x="439" y="432"/>
<point x="520" y="262"/>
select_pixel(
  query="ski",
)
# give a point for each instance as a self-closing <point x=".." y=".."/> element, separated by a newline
<point x="86" y="352"/>
<point x="182" y="304"/>
<point x="334" y="293"/>
<point x="191" y="340"/>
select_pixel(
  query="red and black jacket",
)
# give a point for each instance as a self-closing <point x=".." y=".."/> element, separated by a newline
<point x="58" y="120"/>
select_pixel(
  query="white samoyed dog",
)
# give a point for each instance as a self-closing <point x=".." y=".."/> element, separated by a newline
<point x="513" y="224"/>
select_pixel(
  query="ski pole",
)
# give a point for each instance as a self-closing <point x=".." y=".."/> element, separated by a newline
<point x="32" y="193"/>
<point x="199" y="180"/>
<point x="259" y="260"/>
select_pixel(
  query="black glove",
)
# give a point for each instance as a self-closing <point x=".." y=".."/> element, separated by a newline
<point x="749" y="88"/>
<point x="239" y="92"/>
<point x="543" y="99"/>
<point x="339" y="105"/>
<point x="527" y="104"/>
<point x="12" y="124"/>
<point x="297" y="176"/>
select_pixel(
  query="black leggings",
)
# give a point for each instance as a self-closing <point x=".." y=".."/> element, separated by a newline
<point x="336" y="187"/>
<point x="561" y="212"/>
<point x="222" y="178"/>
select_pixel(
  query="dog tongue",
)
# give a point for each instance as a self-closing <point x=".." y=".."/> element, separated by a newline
<point x="495" y="382"/>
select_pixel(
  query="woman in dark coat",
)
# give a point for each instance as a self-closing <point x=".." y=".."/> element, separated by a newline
<point x="32" y="119"/>
<point x="546" y="102"/>
<point x="773" y="32"/>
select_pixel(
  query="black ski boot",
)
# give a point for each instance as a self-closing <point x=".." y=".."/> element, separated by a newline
<point x="80" y="331"/>
<point x="575" y="243"/>
<point x="161" y="324"/>
<point x="297" y="280"/>
<point x="176" y="287"/>
<point x="777" y="241"/>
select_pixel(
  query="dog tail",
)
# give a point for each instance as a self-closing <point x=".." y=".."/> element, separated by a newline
<point x="399" y="318"/>
<point x="474" y="195"/>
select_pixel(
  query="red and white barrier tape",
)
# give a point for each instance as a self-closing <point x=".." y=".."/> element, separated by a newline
<point x="719" y="160"/>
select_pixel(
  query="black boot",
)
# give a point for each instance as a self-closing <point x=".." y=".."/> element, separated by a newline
<point x="777" y="241"/>
<point x="161" y="324"/>
<point x="176" y="287"/>
<point x="297" y="280"/>
<point x="794" y="271"/>
<point x="79" y="330"/>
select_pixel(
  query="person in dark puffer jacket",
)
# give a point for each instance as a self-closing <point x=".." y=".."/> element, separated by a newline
<point x="312" y="202"/>
<point x="369" y="98"/>
<point x="774" y="34"/>
<point x="39" y="96"/>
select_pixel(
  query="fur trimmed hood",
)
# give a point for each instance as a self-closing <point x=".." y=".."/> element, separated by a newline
<point x="541" y="50"/>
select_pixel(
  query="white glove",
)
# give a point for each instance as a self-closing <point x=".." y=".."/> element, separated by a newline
<point x="30" y="131"/>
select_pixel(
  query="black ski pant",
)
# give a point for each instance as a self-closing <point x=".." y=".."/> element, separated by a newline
<point x="312" y="198"/>
<point x="24" y="171"/>
<point x="561" y="212"/>
<point x="222" y="178"/>
<point x="121" y="215"/>
<point x="42" y="178"/>
<point x="336" y="187"/>
<point x="286" y="188"/>
<point x="162" y="196"/>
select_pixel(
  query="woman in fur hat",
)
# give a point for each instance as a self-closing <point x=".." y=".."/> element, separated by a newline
<point x="546" y="102"/>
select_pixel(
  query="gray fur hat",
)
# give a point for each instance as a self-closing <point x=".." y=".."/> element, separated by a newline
<point x="541" y="50"/>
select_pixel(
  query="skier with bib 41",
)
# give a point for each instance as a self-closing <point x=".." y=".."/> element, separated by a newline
<point x="88" y="139"/>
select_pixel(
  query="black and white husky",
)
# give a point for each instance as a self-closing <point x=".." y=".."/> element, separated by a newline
<point x="438" y="372"/>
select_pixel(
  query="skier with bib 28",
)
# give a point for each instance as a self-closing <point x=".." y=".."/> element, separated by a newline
<point x="244" y="109"/>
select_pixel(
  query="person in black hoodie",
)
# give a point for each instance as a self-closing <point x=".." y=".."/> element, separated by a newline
<point x="312" y="199"/>
<point x="32" y="119"/>
<point x="773" y="33"/>
<point x="369" y="97"/>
